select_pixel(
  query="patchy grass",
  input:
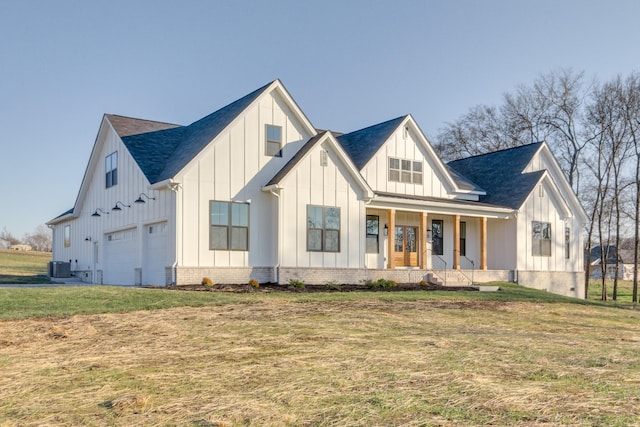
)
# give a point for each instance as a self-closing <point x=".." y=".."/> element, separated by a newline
<point x="21" y="267"/>
<point x="366" y="358"/>
<point x="63" y="301"/>
<point x="625" y="291"/>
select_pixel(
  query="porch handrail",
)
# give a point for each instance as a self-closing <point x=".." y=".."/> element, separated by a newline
<point x="445" y="267"/>
<point x="473" y="268"/>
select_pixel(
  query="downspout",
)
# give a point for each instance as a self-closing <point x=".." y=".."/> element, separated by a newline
<point x="174" y="186"/>
<point x="277" y="266"/>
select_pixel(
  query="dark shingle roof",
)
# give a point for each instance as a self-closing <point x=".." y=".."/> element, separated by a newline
<point x="463" y="182"/>
<point x="161" y="154"/>
<point x="295" y="159"/>
<point x="362" y="144"/>
<point x="500" y="174"/>
<point x="126" y="126"/>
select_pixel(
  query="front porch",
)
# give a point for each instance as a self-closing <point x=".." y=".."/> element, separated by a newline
<point x="400" y="239"/>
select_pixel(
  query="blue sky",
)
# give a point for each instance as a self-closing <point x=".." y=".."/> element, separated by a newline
<point x="348" y="64"/>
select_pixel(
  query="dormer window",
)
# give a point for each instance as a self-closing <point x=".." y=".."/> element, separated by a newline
<point x="274" y="141"/>
<point x="111" y="169"/>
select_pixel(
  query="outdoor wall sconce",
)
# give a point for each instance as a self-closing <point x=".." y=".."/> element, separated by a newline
<point x="141" y="200"/>
<point x="87" y="239"/>
<point x="386" y="230"/>
<point x="96" y="214"/>
<point x="118" y="208"/>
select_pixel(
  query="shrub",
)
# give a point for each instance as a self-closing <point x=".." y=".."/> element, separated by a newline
<point x="380" y="283"/>
<point x="333" y="286"/>
<point x="423" y="283"/>
<point x="207" y="282"/>
<point x="254" y="283"/>
<point x="296" y="283"/>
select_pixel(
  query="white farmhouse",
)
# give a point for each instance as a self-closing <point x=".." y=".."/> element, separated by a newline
<point x="254" y="190"/>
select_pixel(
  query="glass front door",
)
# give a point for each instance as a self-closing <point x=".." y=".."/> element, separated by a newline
<point x="405" y="246"/>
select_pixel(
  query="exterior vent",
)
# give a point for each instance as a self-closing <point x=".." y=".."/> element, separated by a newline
<point x="323" y="158"/>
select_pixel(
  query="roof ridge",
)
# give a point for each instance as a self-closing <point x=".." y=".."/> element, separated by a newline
<point x="377" y="124"/>
<point x="498" y="151"/>
<point x="138" y="118"/>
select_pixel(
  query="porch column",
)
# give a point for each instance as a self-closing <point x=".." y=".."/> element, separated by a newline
<point x="483" y="243"/>
<point x="423" y="240"/>
<point x="391" y="233"/>
<point x="456" y="242"/>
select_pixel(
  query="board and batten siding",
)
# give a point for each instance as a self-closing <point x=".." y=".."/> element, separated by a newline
<point x="331" y="186"/>
<point x="235" y="167"/>
<point x="542" y="206"/>
<point x="131" y="182"/>
<point x="376" y="171"/>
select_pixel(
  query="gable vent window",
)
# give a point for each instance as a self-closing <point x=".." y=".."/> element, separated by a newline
<point x="323" y="158"/>
<point x="111" y="169"/>
<point x="407" y="171"/>
<point x="274" y="141"/>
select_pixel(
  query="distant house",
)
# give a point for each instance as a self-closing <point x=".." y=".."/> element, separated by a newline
<point x="254" y="190"/>
<point x="21" y="247"/>
<point x="625" y="258"/>
<point x="4" y="244"/>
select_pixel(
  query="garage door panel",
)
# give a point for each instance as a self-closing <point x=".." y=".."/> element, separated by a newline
<point x="120" y="257"/>
<point x="156" y="254"/>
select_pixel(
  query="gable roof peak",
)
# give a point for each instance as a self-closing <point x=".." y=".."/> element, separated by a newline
<point x="362" y="144"/>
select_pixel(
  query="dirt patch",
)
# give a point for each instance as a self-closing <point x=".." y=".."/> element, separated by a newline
<point x="274" y="287"/>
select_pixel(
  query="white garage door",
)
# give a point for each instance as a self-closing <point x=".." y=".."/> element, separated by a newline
<point x="120" y="258"/>
<point x="156" y="249"/>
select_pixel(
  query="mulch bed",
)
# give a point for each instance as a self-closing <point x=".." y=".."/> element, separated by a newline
<point x="274" y="287"/>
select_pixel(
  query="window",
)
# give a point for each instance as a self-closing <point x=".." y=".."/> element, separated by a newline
<point x="111" y="169"/>
<point x="394" y="169"/>
<point x="463" y="238"/>
<point x="373" y="231"/>
<point x="541" y="238"/>
<point x="417" y="172"/>
<point x="405" y="173"/>
<point x="229" y="223"/>
<point x="274" y="141"/>
<point x="567" y="242"/>
<point x="67" y="236"/>
<point x="437" y="232"/>
<point x="323" y="229"/>
<point x="408" y="171"/>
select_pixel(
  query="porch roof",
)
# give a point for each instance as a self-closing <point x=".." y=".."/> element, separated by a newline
<point x="439" y="205"/>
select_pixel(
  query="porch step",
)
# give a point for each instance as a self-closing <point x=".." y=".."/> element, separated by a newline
<point x="452" y="277"/>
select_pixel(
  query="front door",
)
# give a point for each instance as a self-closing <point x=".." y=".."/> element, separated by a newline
<point x="406" y="246"/>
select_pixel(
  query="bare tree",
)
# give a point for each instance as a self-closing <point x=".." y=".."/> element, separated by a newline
<point x="6" y="235"/>
<point x="630" y="104"/>
<point x="40" y="239"/>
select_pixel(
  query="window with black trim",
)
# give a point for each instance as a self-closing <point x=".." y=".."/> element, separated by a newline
<point x="567" y="242"/>
<point x="67" y="236"/>
<point x="373" y="233"/>
<point x="463" y="238"/>
<point x="407" y="171"/>
<point x="229" y="226"/>
<point x="323" y="229"/>
<point x="437" y="233"/>
<point x="111" y="169"/>
<point x="274" y="141"/>
<point x="541" y="238"/>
